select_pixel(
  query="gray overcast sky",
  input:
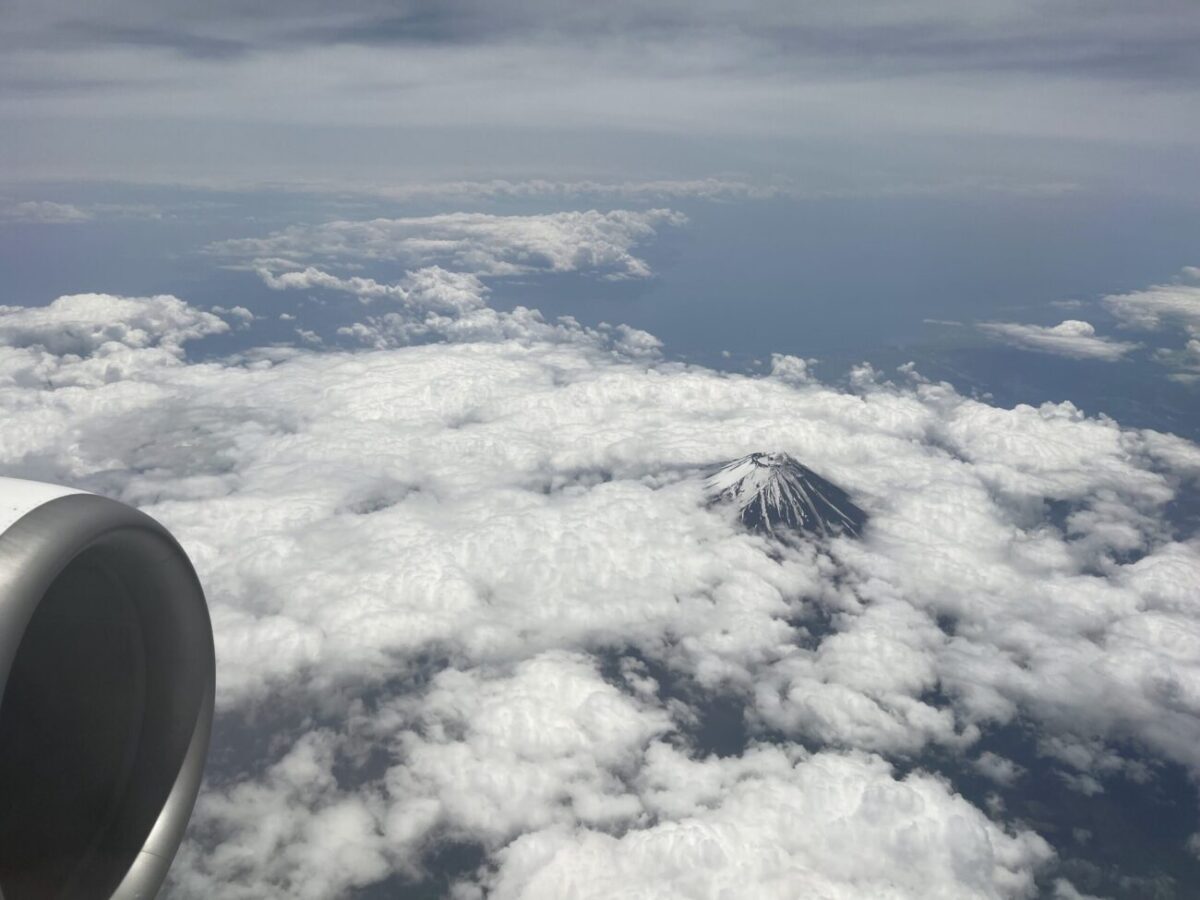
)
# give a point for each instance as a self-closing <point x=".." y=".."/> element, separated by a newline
<point x="827" y="95"/>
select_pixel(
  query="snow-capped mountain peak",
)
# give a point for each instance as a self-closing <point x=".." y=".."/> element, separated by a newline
<point x="775" y="493"/>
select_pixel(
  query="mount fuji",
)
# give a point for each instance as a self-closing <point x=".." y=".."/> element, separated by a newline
<point x="775" y="494"/>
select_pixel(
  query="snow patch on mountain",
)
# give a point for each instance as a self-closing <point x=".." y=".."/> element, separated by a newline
<point x="774" y="494"/>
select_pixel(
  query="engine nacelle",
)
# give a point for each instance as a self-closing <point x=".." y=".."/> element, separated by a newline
<point x="106" y="695"/>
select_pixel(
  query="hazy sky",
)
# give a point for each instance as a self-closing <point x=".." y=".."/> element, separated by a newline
<point x="876" y="96"/>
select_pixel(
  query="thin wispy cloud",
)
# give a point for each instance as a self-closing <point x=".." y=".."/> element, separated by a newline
<point x="42" y="212"/>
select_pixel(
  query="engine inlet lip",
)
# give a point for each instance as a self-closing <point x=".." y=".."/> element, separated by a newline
<point x="34" y="551"/>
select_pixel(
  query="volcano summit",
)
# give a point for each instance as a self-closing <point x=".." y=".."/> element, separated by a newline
<point x="774" y="493"/>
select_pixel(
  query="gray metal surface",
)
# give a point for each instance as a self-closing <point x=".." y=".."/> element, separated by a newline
<point x="106" y="679"/>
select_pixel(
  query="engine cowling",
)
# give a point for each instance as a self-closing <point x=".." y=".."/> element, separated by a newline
<point x="106" y="695"/>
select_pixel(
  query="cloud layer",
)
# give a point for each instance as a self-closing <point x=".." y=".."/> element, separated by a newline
<point x="470" y="594"/>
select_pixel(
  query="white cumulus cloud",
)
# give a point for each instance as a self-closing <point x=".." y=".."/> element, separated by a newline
<point x="1073" y="338"/>
<point x="1160" y="305"/>
<point x="774" y="825"/>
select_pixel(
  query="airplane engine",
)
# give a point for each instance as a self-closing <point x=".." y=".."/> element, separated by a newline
<point x="106" y="695"/>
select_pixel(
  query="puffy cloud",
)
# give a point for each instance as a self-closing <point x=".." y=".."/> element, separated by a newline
<point x="83" y="325"/>
<point x="561" y="774"/>
<point x="792" y="369"/>
<point x="862" y="687"/>
<point x="436" y="303"/>
<point x="295" y="833"/>
<point x="431" y="289"/>
<point x="486" y="324"/>
<point x="772" y="825"/>
<point x="472" y="591"/>
<point x="475" y="243"/>
<point x="997" y="768"/>
<point x="1072" y="338"/>
<point x="1159" y="305"/>
<point x="91" y="339"/>
<point x="1185" y="363"/>
<point x="551" y="745"/>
